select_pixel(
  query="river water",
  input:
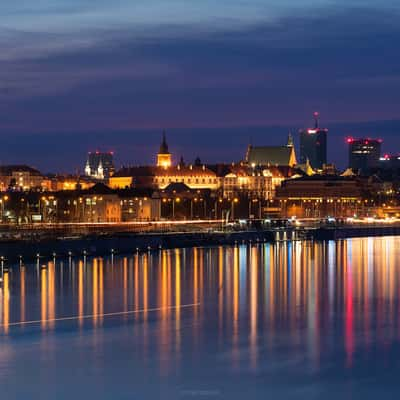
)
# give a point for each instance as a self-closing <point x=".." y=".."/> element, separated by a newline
<point x="280" y="321"/>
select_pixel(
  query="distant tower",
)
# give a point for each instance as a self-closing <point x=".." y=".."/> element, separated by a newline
<point x="88" y="170"/>
<point x="313" y="145"/>
<point x="164" y="157"/>
<point x="316" y="119"/>
<point x="100" y="171"/>
<point x="290" y="142"/>
<point x="99" y="165"/>
<point x="364" y="153"/>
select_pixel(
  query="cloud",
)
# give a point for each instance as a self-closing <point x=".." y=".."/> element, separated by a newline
<point x="273" y="70"/>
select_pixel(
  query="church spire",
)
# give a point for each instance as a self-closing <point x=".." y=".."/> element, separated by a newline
<point x="164" y="157"/>
<point x="164" y="145"/>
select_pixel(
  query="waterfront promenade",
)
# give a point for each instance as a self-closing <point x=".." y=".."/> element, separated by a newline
<point x="29" y="242"/>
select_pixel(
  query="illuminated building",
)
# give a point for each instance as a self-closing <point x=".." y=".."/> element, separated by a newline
<point x="69" y="182"/>
<point x="320" y="196"/>
<point x="140" y="205"/>
<point x="194" y="176"/>
<point x="364" y="153"/>
<point x="272" y="155"/>
<point x="255" y="182"/>
<point x="97" y="204"/>
<point x="99" y="165"/>
<point x="390" y="162"/>
<point x="20" y="177"/>
<point x="313" y="145"/>
<point x="164" y="157"/>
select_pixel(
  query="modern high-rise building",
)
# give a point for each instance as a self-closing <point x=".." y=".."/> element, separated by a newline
<point x="364" y="154"/>
<point x="99" y="165"/>
<point x="313" y="145"/>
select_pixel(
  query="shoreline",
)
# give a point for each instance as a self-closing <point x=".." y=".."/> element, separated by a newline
<point x="127" y="243"/>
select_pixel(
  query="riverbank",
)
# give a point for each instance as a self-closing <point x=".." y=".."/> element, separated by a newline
<point x="101" y="244"/>
<point x="123" y="243"/>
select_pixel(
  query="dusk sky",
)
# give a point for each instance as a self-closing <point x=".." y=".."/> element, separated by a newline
<point x="79" y="75"/>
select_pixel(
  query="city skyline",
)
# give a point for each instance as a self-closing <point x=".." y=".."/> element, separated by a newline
<point x="143" y="151"/>
<point x="81" y="75"/>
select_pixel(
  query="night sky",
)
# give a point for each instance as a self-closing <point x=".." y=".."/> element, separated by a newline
<point x="79" y="75"/>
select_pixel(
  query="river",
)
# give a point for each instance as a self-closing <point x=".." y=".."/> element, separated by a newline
<point x="280" y="321"/>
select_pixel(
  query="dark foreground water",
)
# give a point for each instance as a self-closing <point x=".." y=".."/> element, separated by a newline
<point x="283" y="321"/>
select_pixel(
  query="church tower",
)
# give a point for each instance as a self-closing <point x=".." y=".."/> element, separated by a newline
<point x="164" y="157"/>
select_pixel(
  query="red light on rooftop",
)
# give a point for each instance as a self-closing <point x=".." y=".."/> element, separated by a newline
<point x="349" y="140"/>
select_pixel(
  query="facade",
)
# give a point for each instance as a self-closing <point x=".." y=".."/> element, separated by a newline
<point x="140" y="205"/>
<point x="257" y="182"/>
<point x="164" y="157"/>
<point x="193" y="176"/>
<point x="272" y="155"/>
<point x="313" y="145"/>
<point x="100" y="204"/>
<point x="364" y="154"/>
<point x="69" y="182"/>
<point x="99" y="165"/>
<point x="320" y="196"/>
<point x="391" y="162"/>
<point x="20" y="177"/>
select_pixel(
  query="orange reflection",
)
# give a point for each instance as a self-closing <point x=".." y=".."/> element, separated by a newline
<point x="80" y="292"/>
<point x="23" y="294"/>
<point x="253" y="306"/>
<point x="136" y="285"/>
<point x="6" y="302"/>
<point x="51" y="295"/>
<point x="125" y="282"/>
<point x="236" y="301"/>
<point x="95" y="292"/>
<point x="145" y="286"/>
<point x="177" y="297"/>
<point x="43" y="297"/>
<point x="101" y="289"/>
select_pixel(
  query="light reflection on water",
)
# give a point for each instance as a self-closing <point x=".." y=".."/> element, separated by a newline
<point x="294" y="319"/>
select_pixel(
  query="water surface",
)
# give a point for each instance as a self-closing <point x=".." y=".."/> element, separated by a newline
<point x="264" y="321"/>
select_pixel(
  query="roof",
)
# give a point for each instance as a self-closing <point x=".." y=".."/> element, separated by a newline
<point x="192" y="170"/>
<point x="272" y="155"/>
<point x="220" y="169"/>
<point x="283" y="171"/>
<point x="178" y="170"/>
<point x="99" y="188"/>
<point x="9" y="169"/>
<point x="325" y="178"/>
<point x="136" y="192"/>
<point x="177" y="187"/>
<point x="135" y="171"/>
<point x="164" y="145"/>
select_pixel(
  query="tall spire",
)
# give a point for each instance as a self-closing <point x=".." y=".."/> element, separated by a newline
<point x="290" y="140"/>
<point x="164" y="145"/>
<point x="164" y="157"/>
<point x="316" y="119"/>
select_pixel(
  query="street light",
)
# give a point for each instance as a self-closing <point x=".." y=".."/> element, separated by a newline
<point x="3" y="201"/>
<point x="235" y="200"/>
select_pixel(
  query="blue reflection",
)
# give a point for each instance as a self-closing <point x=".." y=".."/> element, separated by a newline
<point x="304" y="319"/>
